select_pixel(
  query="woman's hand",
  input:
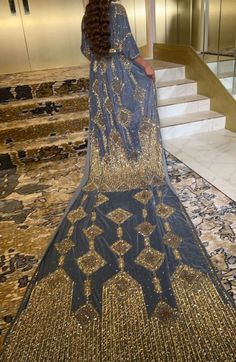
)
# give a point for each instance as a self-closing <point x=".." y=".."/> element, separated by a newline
<point x="150" y="71"/>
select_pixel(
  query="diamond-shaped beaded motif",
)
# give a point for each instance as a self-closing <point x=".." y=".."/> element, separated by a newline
<point x="143" y="196"/>
<point x="90" y="262"/>
<point x="150" y="258"/>
<point x="64" y="246"/>
<point x="86" y="314"/>
<point x="119" y="215"/>
<point x="172" y="240"/>
<point x="101" y="199"/>
<point x="120" y="247"/>
<point x="145" y="228"/>
<point x="92" y="231"/>
<point x="164" y="210"/>
<point x="76" y="214"/>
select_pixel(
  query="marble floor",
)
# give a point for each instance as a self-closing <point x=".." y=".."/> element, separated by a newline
<point x="212" y="155"/>
<point x="33" y="198"/>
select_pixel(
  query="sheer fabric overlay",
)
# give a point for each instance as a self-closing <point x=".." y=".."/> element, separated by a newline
<point x="125" y="276"/>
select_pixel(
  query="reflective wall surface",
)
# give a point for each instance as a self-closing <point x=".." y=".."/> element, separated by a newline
<point x="222" y="24"/>
<point x="173" y="21"/>
<point x="43" y="34"/>
<point x="47" y="33"/>
<point x="205" y="24"/>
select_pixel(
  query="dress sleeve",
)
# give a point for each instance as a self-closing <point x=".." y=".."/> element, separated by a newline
<point x="85" y="49"/>
<point x="125" y="36"/>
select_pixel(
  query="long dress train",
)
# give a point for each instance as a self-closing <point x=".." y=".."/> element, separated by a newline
<point x="125" y="277"/>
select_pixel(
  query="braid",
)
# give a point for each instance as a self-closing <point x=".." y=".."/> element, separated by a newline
<point x="96" y="27"/>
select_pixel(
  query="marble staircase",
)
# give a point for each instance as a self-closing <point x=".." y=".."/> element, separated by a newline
<point x="183" y="112"/>
<point x="44" y="114"/>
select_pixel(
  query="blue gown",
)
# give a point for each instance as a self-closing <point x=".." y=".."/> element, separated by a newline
<point x="125" y="277"/>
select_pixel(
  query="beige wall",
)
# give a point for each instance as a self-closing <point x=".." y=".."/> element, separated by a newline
<point x="173" y="21"/>
<point x="136" y="11"/>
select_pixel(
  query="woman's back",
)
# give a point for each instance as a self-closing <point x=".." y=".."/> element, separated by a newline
<point x="121" y="38"/>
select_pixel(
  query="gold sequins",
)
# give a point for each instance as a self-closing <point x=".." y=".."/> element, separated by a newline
<point x="101" y="199"/>
<point x="164" y="210"/>
<point x="92" y="231"/>
<point x="150" y="258"/>
<point x="64" y="246"/>
<point x="120" y="247"/>
<point x="172" y="240"/>
<point x="90" y="262"/>
<point x="143" y="196"/>
<point x="77" y="214"/>
<point x="86" y="314"/>
<point x="119" y="215"/>
<point x="121" y="173"/>
<point x="145" y="228"/>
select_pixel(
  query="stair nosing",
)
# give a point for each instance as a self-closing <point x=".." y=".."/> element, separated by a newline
<point x="181" y="99"/>
<point x="173" y="83"/>
<point x="43" y="120"/>
<point x="44" y="141"/>
<point x="82" y="68"/>
<point x="17" y="103"/>
<point x="212" y="115"/>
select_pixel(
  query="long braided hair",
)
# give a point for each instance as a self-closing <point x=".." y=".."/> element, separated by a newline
<point x="96" y="27"/>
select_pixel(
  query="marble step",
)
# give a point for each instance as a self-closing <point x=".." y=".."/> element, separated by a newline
<point x="172" y="107"/>
<point x="66" y="80"/>
<point x="63" y="144"/>
<point x="176" y="88"/>
<point x="73" y="122"/>
<point x="167" y="71"/>
<point x="42" y="90"/>
<point x="55" y="125"/>
<point x="192" y="123"/>
<point x="43" y="149"/>
<point x="170" y="74"/>
<point x="30" y="108"/>
<point x="43" y="83"/>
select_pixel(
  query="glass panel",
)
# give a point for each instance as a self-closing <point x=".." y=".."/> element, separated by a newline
<point x="220" y="51"/>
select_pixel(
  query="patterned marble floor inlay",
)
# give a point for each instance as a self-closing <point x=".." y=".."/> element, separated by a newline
<point x="33" y="198"/>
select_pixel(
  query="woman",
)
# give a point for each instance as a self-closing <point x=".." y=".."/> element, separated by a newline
<point x="125" y="278"/>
